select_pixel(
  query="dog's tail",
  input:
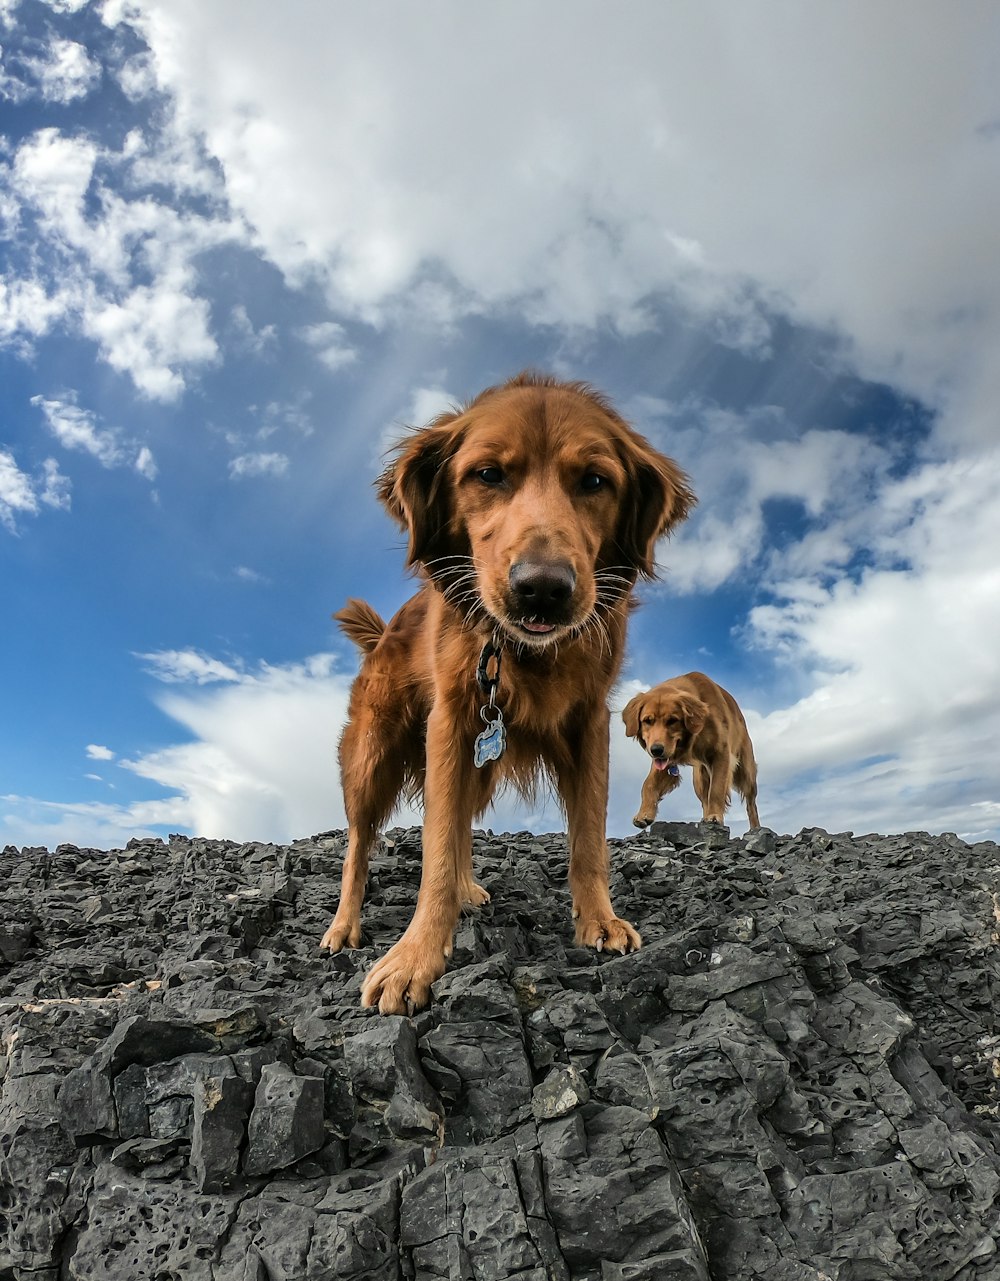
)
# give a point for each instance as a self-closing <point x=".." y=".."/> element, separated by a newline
<point x="360" y="624"/>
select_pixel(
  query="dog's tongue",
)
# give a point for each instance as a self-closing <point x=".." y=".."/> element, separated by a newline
<point x="660" y="764"/>
<point x="538" y="627"/>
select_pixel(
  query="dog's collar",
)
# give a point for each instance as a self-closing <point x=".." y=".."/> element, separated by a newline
<point x="490" y="652"/>
<point x="491" y="742"/>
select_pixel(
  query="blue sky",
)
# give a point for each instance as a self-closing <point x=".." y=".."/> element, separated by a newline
<point x="244" y="244"/>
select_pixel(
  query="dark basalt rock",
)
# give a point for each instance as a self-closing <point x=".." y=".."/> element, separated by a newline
<point x="797" y="1078"/>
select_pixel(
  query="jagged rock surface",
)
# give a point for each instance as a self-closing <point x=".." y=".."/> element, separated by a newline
<point x="795" y="1079"/>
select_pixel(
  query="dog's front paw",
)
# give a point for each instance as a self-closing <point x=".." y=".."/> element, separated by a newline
<point x="473" y="895"/>
<point x="642" y="820"/>
<point x="342" y="932"/>
<point x="400" y="982"/>
<point x="610" y="934"/>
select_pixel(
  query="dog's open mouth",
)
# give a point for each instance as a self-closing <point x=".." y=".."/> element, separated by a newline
<point x="535" y="631"/>
<point x="660" y="763"/>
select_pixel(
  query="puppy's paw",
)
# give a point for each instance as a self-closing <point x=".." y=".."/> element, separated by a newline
<point x="400" y="983"/>
<point x="642" y="820"/>
<point x="610" y="934"/>
<point x="341" y="932"/>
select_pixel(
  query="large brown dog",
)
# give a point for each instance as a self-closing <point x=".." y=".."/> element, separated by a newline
<point x="531" y="513"/>
<point x="692" y="721"/>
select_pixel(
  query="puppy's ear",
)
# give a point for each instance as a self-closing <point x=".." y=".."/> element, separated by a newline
<point x="631" y="714"/>
<point x="657" y="498"/>
<point x="415" y="489"/>
<point x="694" y="714"/>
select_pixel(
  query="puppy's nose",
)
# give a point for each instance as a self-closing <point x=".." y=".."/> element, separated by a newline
<point x="540" y="586"/>
<point x="657" y="749"/>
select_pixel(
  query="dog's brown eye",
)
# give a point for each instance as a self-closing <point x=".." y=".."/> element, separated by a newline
<point x="672" y="720"/>
<point x="490" y="475"/>
<point x="590" y="483"/>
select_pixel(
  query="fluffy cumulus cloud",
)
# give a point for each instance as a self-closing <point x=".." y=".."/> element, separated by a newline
<point x="263" y="755"/>
<point x="64" y="72"/>
<point x="843" y="222"/>
<point x="102" y="257"/>
<point x="741" y="463"/>
<point x="260" y="762"/>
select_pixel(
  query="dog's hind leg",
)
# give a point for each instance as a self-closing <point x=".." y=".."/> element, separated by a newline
<point x="745" y="782"/>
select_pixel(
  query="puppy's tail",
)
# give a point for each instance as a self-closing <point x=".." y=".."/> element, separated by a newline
<point x="360" y="624"/>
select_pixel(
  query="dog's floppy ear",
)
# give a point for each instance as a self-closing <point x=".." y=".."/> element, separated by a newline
<point x="415" y="490"/>
<point x="631" y="714"/>
<point x="657" y="498"/>
<point x="694" y="714"/>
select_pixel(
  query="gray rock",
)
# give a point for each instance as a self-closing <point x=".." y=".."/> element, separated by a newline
<point x="286" y="1123"/>
<point x="561" y="1091"/>
<point x="794" y="1078"/>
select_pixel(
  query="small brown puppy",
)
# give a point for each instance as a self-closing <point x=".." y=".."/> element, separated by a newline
<point x="692" y="721"/>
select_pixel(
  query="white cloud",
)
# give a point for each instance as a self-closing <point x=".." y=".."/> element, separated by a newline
<point x="740" y="463"/>
<point x="903" y="664"/>
<point x="55" y="488"/>
<point x="20" y="495"/>
<point x="178" y="666"/>
<point x="17" y="493"/>
<point x="247" y="575"/>
<point x="119" y="270"/>
<point x="77" y="429"/>
<point x="145" y="463"/>
<point x="261" y="764"/>
<point x="27" y="820"/>
<point x="258" y="465"/>
<point x="28" y="310"/>
<point x="96" y="752"/>
<point x="428" y="402"/>
<point x="425" y="404"/>
<point x="685" y="182"/>
<point x="257" y="341"/>
<point x="329" y="341"/>
<point x="65" y="72"/>
<point x="263" y="759"/>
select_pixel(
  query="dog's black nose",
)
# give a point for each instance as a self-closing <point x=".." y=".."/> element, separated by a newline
<point x="541" y="586"/>
<point x="657" y="749"/>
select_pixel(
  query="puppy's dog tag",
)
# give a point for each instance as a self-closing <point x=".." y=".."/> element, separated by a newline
<point x="490" y="743"/>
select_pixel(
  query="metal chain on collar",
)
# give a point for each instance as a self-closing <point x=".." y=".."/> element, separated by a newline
<point x="491" y="742"/>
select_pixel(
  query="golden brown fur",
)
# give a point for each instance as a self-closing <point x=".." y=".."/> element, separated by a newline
<point x="692" y="721"/>
<point x="530" y="513"/>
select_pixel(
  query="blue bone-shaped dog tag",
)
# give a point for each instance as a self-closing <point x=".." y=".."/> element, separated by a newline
<point x="490" y="744"/>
